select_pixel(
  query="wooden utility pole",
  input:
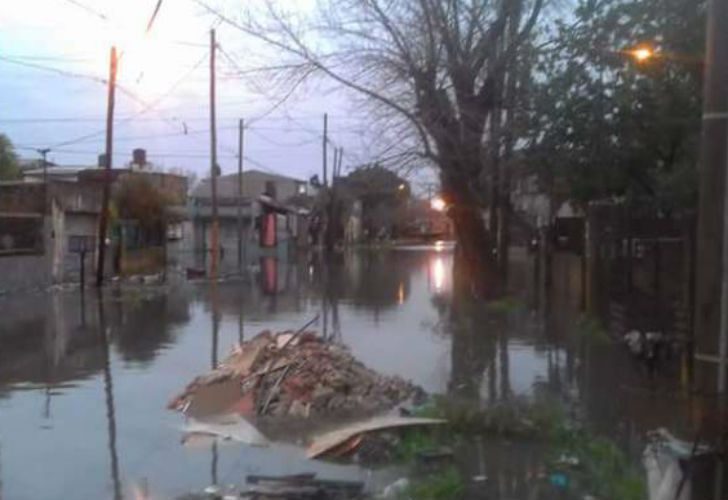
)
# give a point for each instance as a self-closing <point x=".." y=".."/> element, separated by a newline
<point x="241" y="129"/>
<point x="104" y="221"/>
<point x="215" y="229"/>
<point x="711" y="297"/>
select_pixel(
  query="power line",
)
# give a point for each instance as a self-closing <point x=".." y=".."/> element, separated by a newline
<point x="207" y="131"/>
<point x="147" y="107"/>
<point x="257" y="133"/>
<point x="88" y="9"/>
<point x="154" y="15"/>
<point x="52" y="69"/>
<point x="64" y="58"/>
<point x="150" y="153"/>
<point x="186" y="119"/>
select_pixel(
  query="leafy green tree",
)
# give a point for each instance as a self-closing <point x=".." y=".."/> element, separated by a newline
<point x="9" y="166"/>
<point x="610" y="124"/>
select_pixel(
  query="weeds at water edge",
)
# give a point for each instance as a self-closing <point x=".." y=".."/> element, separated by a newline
<point x="447" y="484"/>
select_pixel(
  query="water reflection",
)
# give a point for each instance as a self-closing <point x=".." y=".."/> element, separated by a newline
<point x="103" y="333"/>
<point x="401" y="312"/>
<point x="437" y="274"/>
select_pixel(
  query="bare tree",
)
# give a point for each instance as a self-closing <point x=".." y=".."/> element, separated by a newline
<point x="435" y="64"/>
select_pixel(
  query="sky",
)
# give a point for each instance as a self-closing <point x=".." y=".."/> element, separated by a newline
<point x="54" y="59"/>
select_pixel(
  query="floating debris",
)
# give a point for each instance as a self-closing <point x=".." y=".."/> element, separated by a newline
<point x="300" y="487"/>
<point x="228" y="427"/>
<point x="340" y="437"/>
<point x="666" y="460"/>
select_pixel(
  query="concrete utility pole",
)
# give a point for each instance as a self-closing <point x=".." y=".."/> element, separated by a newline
<point x="104" y="221"/>
<point x="711" y="294"/>
<point x="241" y="131"/>
<point x="215" y="229"/>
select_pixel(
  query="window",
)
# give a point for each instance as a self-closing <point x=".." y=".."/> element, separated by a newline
<point x="174" y="231"/>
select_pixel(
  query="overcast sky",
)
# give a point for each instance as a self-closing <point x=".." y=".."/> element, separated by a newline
<point x="167" y="71"/>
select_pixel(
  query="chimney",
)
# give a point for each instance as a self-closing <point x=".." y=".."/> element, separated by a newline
<point x="102" y="160"/>
<point x="139" y="157"/>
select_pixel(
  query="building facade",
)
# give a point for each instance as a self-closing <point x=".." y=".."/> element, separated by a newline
<point x="269" y="219"/>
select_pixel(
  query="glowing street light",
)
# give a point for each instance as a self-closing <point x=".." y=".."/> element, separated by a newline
<point x="642" y="54"/>
<point x="438" y="204"/>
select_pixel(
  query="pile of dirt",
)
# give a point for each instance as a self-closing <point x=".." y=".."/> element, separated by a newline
<point x="293" y="374"/>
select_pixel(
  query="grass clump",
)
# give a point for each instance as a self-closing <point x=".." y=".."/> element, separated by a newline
<point x="447" y="484"/>
<point x="506" y="304"/>
<point x="592" y="328"/>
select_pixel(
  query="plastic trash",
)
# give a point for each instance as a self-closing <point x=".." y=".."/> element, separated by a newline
<point x="395" y="489"/>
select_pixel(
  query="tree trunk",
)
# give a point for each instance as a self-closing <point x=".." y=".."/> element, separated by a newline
<point x="504" y="240"/>
<point x="476" y="246"/>
<point x="510" y="91"/>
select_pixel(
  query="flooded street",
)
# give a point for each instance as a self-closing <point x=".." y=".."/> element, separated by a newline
<point x="83" y="385"/>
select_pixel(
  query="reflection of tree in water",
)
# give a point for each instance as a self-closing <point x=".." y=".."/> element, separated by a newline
<point x="476" y="334"/>
<point x="146" y="324"/>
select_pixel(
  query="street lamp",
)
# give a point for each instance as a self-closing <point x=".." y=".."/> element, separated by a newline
<point x="438" y="204"/>
<point x="642" y="54"/>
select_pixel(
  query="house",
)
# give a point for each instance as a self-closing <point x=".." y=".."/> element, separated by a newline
<point x="424" y="222"/>
<point x="49" y="224"/>
<point x="536" y="207"/>
<point x="368" y="204"/>
<point x="42" y="225"/>
<point x="272" y="215"/>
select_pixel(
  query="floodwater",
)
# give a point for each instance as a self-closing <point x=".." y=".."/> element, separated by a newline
<point x="84" y="384"/>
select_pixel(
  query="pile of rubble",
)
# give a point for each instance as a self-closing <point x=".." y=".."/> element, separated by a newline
<point x="296" y="374"/>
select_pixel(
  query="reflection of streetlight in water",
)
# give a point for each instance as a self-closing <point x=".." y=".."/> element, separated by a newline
<point x="438" y="273"/>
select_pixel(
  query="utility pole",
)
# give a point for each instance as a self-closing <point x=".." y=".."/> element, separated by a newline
<point x="44" y="153"/>
<point x="325" y="147"/>
<point x="241" y="129"/>
<point x="711" y="294"/>
<point x="104" y="222"/>
<point x="215" y="229"/>
<point x="337" y="172"/>
<point x="328" y="244"/>
<point x="333" y="169"/>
